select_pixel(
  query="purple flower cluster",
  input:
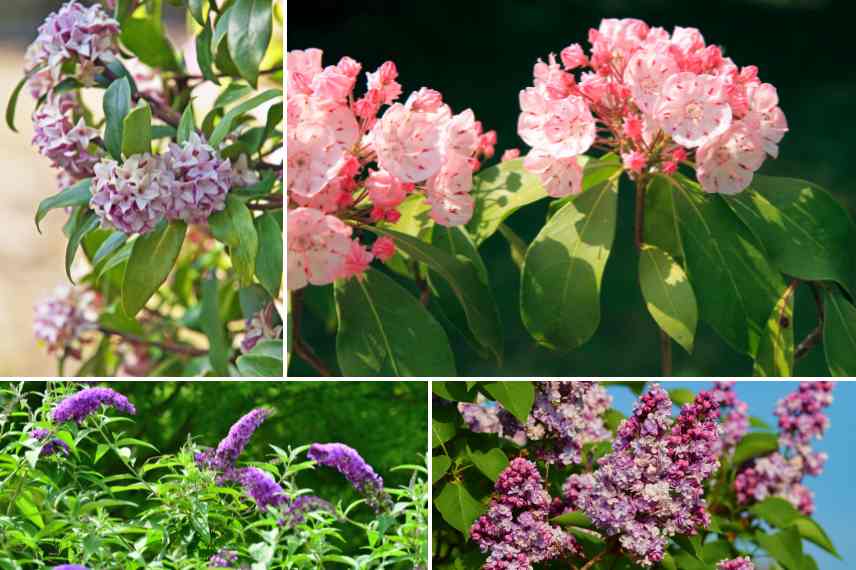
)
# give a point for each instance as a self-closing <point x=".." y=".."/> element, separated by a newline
<point x="62" y="320"/>
<point x="67" y="144"/>
<point x="260" y="326"/>
<point x="200" y="180"/>
<point x="70" y="567"/>
<point x="360" y="474"/>
<point x="261" y="487"/>
<point x="650" y="486"/>
<point x="801" y="420"/>
<point x="742" y="563"/>
<point x="734" y="415"/>
<point x="81" y="405"/>
<point x="224" y="457"/>
<point x="53" y="445"/>
<point x="302" y="505"/>
<point x="515" y="531"/>
<point x="565" y="417"/>
<point x="130" y="197"/>
<point x="223" y="559"/>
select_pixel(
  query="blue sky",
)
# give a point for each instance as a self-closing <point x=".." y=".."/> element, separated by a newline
<point x="834" y="490"/>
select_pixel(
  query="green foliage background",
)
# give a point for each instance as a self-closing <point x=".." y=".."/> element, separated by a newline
<point x="480" y="55"/>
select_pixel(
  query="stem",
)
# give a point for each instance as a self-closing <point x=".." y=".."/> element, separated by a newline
<point x="301" y="349"/>
<point x="590" y="564"/>
<point x="815" y="336"/>
<point x="164" y="345"/>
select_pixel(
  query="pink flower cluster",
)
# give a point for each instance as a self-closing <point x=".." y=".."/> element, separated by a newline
<point x="734" y="415"/>
<point x="801" y="420"/>
<point x="75" y="33"/>
<point x="565" y="417"/>
<point x="516" y="531"/>
<point x="656" y="99"/>
<point x="63" y="320"/>
<point x="189" y="182"/>
<point x="68" y="144"/>
<point x="651" y="486"/>
<point x="742" y="563"/>
<point x="347" y="162"/>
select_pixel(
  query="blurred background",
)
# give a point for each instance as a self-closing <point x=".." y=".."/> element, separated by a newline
<point x="480" y="55"/>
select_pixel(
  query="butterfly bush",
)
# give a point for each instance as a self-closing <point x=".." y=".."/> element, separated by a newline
<point x="347" y="461"/>
<point x="353" y="159"/>
<point x="641" y="493"/>
<point x="83" y="404"/>
<point x="658" y="100"/>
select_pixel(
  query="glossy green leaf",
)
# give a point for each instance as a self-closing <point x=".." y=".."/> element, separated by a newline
<point x="516" y="397"/>
<point x="784" y="546"/>
<point x="77" y="195"/>
<point x="84" y="221"/>
<point x="668" y="295"/>
<point x="12" y="105"/>
<point x="137" y="130"/>
<point x="735" y="286"/>
<point x="806" y="233"/>
<point x="810" y="530"/>
<point x="776" y="349"/>
<point x="117" y="105"/>
<point x="442" y="430"/>
<point x="187" y="124"/>
<point x="224" y="127"/>
<point x="264" y="360"/>
<point x="204" y="56"/>
<point x="234" y="227"/>
<point x="574" y="518"/>
<point x="269" y="259"/>
<point x="249" y="33"/>
<point x="197" y="10"/>
<point x="563" y="269"/>
<point x="681" y="396"/>
<point x="458" y="507"/>
<point x="109" y="246"/>
<point x="144" y="37"/>
<point x="777" y="511"/>
<point x="491" y="463"/>
<point x="839" y="334"/>
<point x="152" y="258"/>
<point x="516" y="246"/>
<point x="754" y="445"/>
<point x="214" y="327"/>
<point x="439" y="466"/>
<point x="385" y="331"/>
<point x="661" y="218"/>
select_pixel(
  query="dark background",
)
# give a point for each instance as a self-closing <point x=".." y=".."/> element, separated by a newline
<point x="480" y="55"/>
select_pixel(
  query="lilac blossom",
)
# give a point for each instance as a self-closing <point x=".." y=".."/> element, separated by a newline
<point x="199" y="180"/>
<point x="734" y="415"/>
<point x="261" y="487"/>
<point x="360" y="474"/>
<point x="515" y="531"/>
<point x="81" y="405"/>
<point x="742" y="563"/>
<point x="52" y="446"/>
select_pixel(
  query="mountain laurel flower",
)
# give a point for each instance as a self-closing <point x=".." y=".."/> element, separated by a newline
<point x="559" y="176"/>
<point x="317" y="246"/>
<point x="69" y="145"/>
<point x="197" y="180"/>
<point x="652" y="93"/>
<point x="84" y="403"/>
<point x="347" y="461"/>
<point x="742" y="563"/>
<point x="130" y="197"/>
<point x="510" y="154"/>
<point x="261" y="487"/>
<point x="383" y="248"/>
<point x="63" y="320"/>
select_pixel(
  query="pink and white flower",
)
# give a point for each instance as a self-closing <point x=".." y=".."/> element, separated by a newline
<point x="693" y="109"/>
<point x="318" y="244"/>
<point x="559" y="176"/>
<point x="726" y="164"/>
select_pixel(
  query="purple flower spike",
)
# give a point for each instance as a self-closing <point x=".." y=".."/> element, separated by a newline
<point x="70" y="567"/>
<point x="360" y="474"/>
<point x="81" y="405"/>
<point x="53" y="446"/>
<point x="230" y="447"/>
<point x="304" y="504"/>
<point x="261" y="487"/>
<point x="223" y="559"/>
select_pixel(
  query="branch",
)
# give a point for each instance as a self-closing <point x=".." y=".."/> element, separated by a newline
<point x="814" y="337"/>
<point x="301" y="349"/>
<point x="164" y="345"/>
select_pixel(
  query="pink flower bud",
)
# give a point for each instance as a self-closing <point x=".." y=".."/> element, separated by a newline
<point x="349" y="67"/>
<point x="426" y="100"/>
<point x="356" y="261"/>
<point x="573" y="57"/>
<point x="384" y="248"/>
<point x="669" y="167"/>
<point x="510" y="154"/>
<point x="633" y="127"/>
<point x="392" y="216"/>
<point x="634" y="161"/>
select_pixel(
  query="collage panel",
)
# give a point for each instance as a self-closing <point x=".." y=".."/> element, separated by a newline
<point x="714" y="475"/>
<point x="195" y="475"/>
<point x="146" y="155"/>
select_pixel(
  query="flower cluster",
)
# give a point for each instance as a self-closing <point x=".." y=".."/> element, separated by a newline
<point x="742" y="563"/>
<point x="347" y="163"/>
<point x="81" y="405"/>
<point x="68" y="144"/>
<point x="734" y="415"/>
<point x="63" y="320"/>
<point x="261" y="487"/>
<point x="224" y="457"/>
<point x="565" y="417"/>
<point x="801" y="419"/>
<point x="650" y="486"/>
<point x="655" y="98"/>
<point x="189" y="182"/>
<point x="516" y="531"/>
<point x="52" y="446"/>
<point x="360" y="474"/>
<point x="223" y="558"/>
<point x="297" y="510"/>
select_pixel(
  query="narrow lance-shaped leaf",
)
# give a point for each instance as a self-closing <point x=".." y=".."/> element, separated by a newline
<point x="186" y="125"/>
<point x="84" y="221"/>
<point x="77" y="195"/>
<point x="668" y="295"/>
<point x="213" y="326"/>
<point x="204" y="56"/>
<point x="269" y="259"/>
<point x="225" y="125"/>
<point x="839" y="333"/>
<point x="248" y="36"/>
<point x="117" y="104"/>
<point x="234" y="227"/>
<point x="152" y="258"/>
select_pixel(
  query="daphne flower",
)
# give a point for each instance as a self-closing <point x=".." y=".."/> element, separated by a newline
<point x="726" y="164"/>
<point x="131" y="197"/>
<point x="84" y="403"/>
<point x="63" y="320"/>
<point x="692" y="108"/>
<point x="559" y="176"/>
<point x="198" y="180"/>
<point x="67" y="144"/>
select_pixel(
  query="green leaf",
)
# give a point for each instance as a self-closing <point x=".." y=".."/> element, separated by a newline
<point x="13" y="102"/>
<point x="777" y="511"/>
<point x="113" y="242"/>
<point x="458" y="507"/>
<point x="681" y="396"/>
<point x="204" y="56"/>
<point x="145" y="38"/>
<point x="234" y="227"/>
<point x="213" y="326"/>
<point x="152" y="258"/>
<point x="439" y="466"/>
<point x="117" y="104"/>
<point x="668" y="295"/>
<point x="225" y="125"/>
<point x="810" y="530"/>
<point x="491" y="462"/>
<point x="784" y="546"/>
<point x="84" y="221"/>
<point x="269" y="259"/>
<point x="77" y="195"/>
<point x="264" y="360"/>
<point x="187" y="124"/>
<point x="499" y="191"/>
<point x="249" y="33"/>
<point x="482" y="325"/>
<point x="574" y="518"/>
<point x="713" y="552"/>
<point x="806" y="233"/>
<point x="123" y="9"/>
<point x="442" y="430"/>
<point x="661" y="218"/>
<point x="776" y="349"/>
<point x="563" y="269"/>
<point x="385" y="331"/>
<point x="735" y="286"/>
<point x="839" y="334"/>
<point x="516" y="397"/>
<point x="137" y="131"/>
<point x="516" y="246"/>
<point x="754" y="445"/>
<point x="197" y="10"/>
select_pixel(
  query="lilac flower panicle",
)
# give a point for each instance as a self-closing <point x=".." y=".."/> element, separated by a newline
<point x="360" y="474"/>
<point x="63" y="320"/>
<point x="515" y="532"/>
<point x="130" y="197"/>
<point x="261" y="487"/>
<point x="81" y="405"/>
<point x="734" y="415"/>
<point x="199" y="182"/>
<point x="53" y="445"/>
<point x="230" y="447"/>
<point x="223" y="559"/>
<point x="742" y="563"/>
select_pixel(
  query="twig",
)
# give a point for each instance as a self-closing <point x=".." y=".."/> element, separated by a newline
<point x="164" y="345"/>
<point x="814" y="337"/>
<point x="301" y="349"/>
